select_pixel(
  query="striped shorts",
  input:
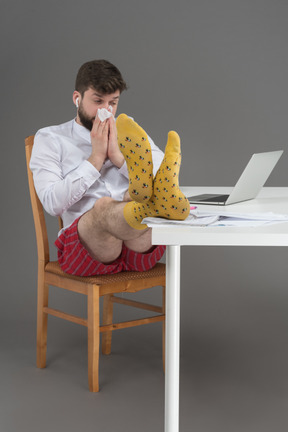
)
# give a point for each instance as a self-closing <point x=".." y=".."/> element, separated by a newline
<point x="75" y="259"/>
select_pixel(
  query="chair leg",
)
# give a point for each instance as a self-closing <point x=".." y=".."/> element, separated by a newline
<point x="163" y="328"/>
<point x="42" y="320"/>
<point x="107" y="319"/>
<point x="93" y="337"/>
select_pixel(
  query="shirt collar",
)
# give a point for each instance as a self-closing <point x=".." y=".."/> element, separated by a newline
<point x="81" y="131"/>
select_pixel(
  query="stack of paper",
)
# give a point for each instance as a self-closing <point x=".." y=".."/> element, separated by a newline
<point x="218" y="218"/>
<point x="192" y="220"/>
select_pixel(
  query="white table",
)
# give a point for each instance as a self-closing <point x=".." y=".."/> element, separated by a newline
<point x="270" y="199"/>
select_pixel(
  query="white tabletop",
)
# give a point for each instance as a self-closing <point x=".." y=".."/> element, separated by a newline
<point x="269" y="200"/>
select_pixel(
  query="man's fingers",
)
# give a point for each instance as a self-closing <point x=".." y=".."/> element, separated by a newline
<point x="99" y="128"/>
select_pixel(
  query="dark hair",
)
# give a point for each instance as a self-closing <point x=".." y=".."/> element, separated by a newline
<point x="101" y="75"/>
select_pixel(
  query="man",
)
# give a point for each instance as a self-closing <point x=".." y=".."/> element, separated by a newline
<point x="82" y="170"/>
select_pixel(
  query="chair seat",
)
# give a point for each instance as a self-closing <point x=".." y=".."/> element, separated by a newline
<point x="157" y="271"/>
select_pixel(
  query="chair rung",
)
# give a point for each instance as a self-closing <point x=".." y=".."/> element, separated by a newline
<point x="135" y="304"/>
<point x="63" y="315"/>
<point x="134" y="323"/>
<point x="109" y="327"/>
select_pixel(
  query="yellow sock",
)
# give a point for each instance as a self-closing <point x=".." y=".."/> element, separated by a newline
<point x="167" y="200"/>
<point x="135" y="212"/>
<point x="135" y="147"/>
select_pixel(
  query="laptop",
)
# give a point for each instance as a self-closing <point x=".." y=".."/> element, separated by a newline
<point x="249" y="184"/>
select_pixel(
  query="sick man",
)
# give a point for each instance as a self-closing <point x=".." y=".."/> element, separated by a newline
<point x="103" y="177"/>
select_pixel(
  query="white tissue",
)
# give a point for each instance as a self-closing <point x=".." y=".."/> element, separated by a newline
<point x="104" y="114"/>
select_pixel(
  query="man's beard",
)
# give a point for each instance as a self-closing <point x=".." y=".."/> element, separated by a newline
<point x="86" y="121"/>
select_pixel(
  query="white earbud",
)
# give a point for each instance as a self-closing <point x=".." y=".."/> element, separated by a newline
<point x="77" y="102"/>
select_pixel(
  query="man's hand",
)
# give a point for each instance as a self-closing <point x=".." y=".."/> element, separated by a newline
<point x="99" y="140"/>
<point x="114" y="153"/>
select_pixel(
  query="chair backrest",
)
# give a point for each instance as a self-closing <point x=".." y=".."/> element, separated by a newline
<point x="37" y="208"/>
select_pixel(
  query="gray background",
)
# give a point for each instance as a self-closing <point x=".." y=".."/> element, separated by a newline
<point x="216" y="72"/>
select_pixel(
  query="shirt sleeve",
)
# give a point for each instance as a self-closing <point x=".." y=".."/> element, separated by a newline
<point x="124" y="170"/>
<point x="56" y="192"/>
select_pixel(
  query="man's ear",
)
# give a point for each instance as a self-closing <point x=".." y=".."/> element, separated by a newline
<point x="76" y="98"/>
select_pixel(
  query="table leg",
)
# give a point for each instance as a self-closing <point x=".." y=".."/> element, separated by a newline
<point x="172" y="351"/>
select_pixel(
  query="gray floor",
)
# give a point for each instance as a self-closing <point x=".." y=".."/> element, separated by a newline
<point x="234" y="360"/>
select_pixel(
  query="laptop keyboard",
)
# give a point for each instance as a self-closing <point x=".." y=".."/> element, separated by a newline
<point x="210" y="198"/>
<point x="221" y="198"/>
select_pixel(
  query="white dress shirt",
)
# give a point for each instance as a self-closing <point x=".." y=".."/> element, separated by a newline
<point x="66" y="183"/>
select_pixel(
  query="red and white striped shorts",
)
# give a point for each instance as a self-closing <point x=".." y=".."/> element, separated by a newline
<point x="75" y="259"/>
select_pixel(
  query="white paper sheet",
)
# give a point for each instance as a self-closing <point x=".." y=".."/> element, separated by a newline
<point x="199" y="218"/>
<point x="191" y="220"/>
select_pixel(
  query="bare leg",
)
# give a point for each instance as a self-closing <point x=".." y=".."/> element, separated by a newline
<point x="103" y="229"/>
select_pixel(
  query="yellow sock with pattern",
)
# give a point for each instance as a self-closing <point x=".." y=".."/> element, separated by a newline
<point x="135" y="147"/>
<point x="167" y="200"/>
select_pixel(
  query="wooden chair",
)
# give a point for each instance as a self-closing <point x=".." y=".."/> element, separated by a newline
<point x="50" y="273"/>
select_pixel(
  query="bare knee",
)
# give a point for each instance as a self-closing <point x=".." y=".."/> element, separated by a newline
<point x="102" y="203"/>
<point x="102" y="208"/>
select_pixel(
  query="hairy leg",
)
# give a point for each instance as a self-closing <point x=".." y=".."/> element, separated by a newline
<point x="103" y="229"/>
